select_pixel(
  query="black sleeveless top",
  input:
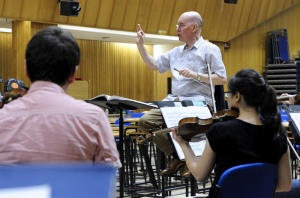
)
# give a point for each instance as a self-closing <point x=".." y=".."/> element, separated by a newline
<point x="236" y="142"/>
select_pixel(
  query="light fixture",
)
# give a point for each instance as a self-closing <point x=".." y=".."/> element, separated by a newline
<point x="116" y="32"/>
<point x="5" y="30"/>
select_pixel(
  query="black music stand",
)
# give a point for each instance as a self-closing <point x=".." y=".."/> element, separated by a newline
<point x="183" y="103"/>
<point x="122" y="105"/>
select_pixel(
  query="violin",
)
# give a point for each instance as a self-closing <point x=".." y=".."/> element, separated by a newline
<point x="13" y="89"/>
<point x="194" y="129"/>
<point x="12" y="95"/>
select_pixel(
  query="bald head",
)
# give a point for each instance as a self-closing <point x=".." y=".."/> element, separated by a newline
<point x="194" y="17"/>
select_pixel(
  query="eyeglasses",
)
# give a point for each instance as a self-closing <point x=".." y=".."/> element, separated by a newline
<point x="180" y="26"/>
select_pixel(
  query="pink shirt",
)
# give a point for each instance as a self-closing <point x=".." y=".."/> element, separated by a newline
<point x="47" y="125"/>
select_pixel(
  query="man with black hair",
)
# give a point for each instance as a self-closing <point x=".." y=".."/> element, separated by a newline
<point x="47" y="125"/>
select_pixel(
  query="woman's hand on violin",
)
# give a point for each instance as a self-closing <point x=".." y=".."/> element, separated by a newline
<point x="290" y="97"/>
<point x="177" y="138"/>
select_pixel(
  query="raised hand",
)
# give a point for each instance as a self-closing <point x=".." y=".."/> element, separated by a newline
<point x="140" y="35"/>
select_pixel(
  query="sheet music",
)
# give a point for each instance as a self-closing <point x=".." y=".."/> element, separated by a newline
<point x="197" y="147"/>
<point x="296" y="119"/>
<point x="172" y="116"/>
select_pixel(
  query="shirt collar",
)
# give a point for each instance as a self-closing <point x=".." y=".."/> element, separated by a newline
<point x="196" y="45"/>
<point x="46" y="86"/>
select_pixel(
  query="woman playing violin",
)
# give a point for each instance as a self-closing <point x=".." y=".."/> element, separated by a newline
<point x="256" y="135"/>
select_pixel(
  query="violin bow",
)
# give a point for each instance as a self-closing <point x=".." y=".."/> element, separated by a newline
<point x="211" y="88"/>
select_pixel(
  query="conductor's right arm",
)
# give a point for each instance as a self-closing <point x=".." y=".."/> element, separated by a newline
<point x="148" y="59"/>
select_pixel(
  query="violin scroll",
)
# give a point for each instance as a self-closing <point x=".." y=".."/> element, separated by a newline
<point x="225" y="114"/>
<point x="12" y="95"/>
<point x="13" y="89"/>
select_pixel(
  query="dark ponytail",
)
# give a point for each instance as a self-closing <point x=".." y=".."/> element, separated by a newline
<point x="259" y="95"/>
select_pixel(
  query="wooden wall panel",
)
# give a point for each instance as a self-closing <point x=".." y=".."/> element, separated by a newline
<point x="248" y="50"/>
<point x="254" y="13"/>
<point x="234" y="21"/>
<point x="118" y="14"/>
<point x="115" y="69"/>
<point x="275" y="8"/>
<point x="165" y="18"/>
<point x="207" y="26"/>
<point x="35" y="27"/>
<point x="156" y="13"/>
<point x="21" y="35"/>
<point x="243" y="21"/>
<point x="110" y="68"/>
<point x="129" y="21"/>
<point x="90" y="17"/>
<point x="105" y="13"/>
<point x="143" y="14"/>
<point x="79" y="90"/>
<point x="5" y="57"/>
<point x="44" y="12"/>
<point x="33" y="6"/>
<point x="213" y="24"/>
<point x="222" y="34"/>
<point x="222" y="22"/>
<point x="12" y="8"/>
<point x="12" y="50"/>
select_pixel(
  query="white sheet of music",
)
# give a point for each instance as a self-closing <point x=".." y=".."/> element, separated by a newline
<point x="296" y="118"/>
<point x="172" y="116"/>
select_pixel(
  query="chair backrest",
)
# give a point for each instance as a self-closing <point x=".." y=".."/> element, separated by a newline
<point x="64" y="180"/>
<point x="124" y="123"/>
<point x="137" y="115"/>
<point x="133" y="115"/>
<point x="248" y="181"/>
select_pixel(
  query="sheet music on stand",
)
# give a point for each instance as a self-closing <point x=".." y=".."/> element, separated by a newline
<point x="172" y="114"/>
<point x="293" y="112"/>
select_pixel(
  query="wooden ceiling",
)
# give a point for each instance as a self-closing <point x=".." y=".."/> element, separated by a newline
<point x="221" y="21"/>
